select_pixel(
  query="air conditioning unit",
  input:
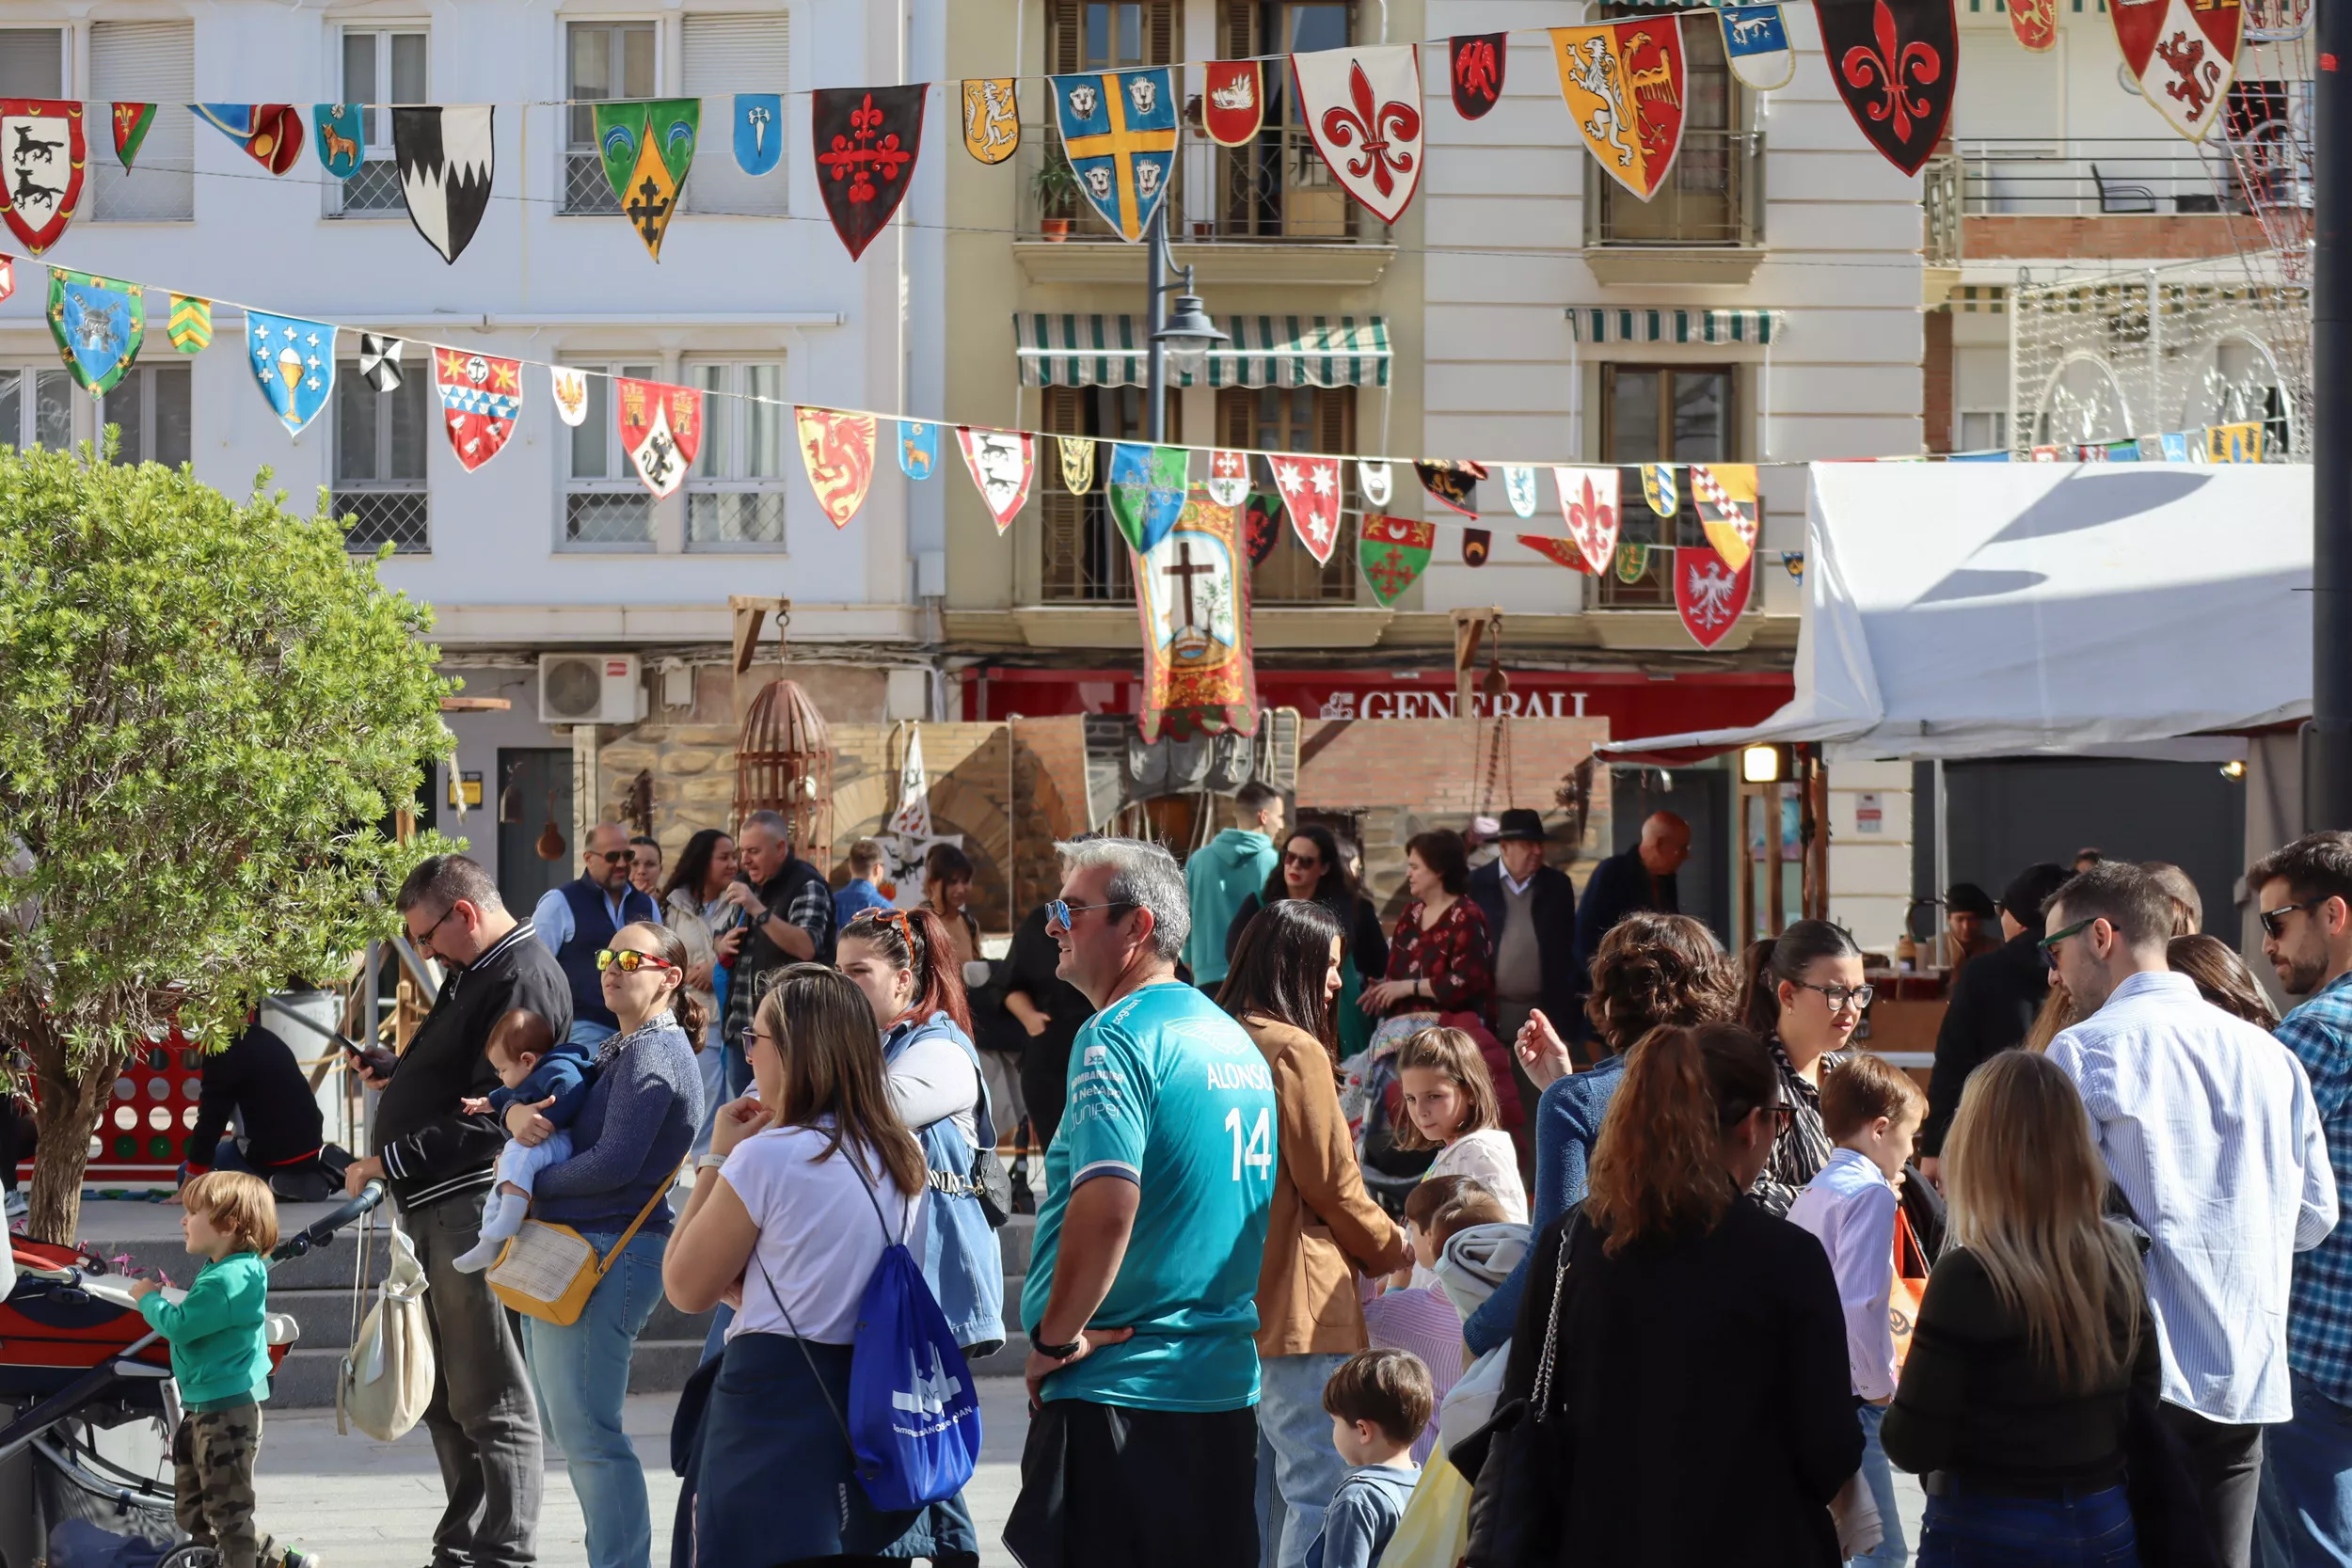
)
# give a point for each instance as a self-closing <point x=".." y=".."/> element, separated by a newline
<point x="590" y="688"/>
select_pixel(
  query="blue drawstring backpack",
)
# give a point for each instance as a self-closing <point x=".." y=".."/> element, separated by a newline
<point x="914" y="1424"/>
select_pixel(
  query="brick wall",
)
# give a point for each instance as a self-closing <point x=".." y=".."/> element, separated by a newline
<point x="2138" y="237"/>
<point x="1935" y="370"/>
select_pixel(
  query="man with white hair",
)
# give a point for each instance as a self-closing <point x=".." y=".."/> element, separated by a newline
<point x="1141" y="1302"/>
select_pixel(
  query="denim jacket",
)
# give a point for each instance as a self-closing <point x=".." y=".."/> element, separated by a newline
<point x="961" y="1262"/>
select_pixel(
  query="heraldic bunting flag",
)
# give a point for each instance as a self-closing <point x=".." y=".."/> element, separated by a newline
<point x="1001" y="463"/>
<point x="918" y="448"/>
<point x="444" y="154"/>
<point x="647" y="145"/>
<point x="1362" y="107"/>
<point x="662" y="430"/>
<point x="1896" y="66"/>
<point x="1393" y="551"/>
<point x="759" y="131"/>
<point x="131" y="123"/>
<point x="1229" y="476"/>
<point x="190" y="324"/>
<point x="1624" y="86"/>
<point x="99" y="325"/>
<point x="838" y="449"/>
<point x="480" y="398"/>
<point x="1709" y="594"/>
<point x="569" y="389"/>
<point x="1193" y="598"/>
<point x="340" y="131"/>
<point x="1077" y="463"/>
<point x="1588" y="505"/>
<point x="271" y="133"/>
<point x="1559" y="551"/>
<point x="1475" y="62"/>
<point x="1311" y="494"/>
<point x="1755" y="44"/>
<point x="1118" y="129"/>
<point x="992" y="118"/>
<point x="41" y="158"/>
<point x="1147" y="490"/>
<point x="1234" y="106"/>
<point x="294" y="363"/>
<point x="1725" y="494"/>
<point x="2185" y="54"/>
<point x="866" y="140"/>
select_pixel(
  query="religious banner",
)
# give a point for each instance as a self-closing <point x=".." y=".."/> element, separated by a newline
<point x="1658" y="488"/>
<point x="1559" y="551"/>
<point x="41" y="158"/>
<point x="2185" y="52"/>
<point x="444" y="154"/>
<point x="918" y="448"/>
<point x="569" y="387"/>
<point x="992" y="118"/>
<point x="1755" y="44"/>
<point x="1118" y="130"/>
<point x="271" y="133"/>
<point x="379" y="361"/>
<point x="131" y="123"/>
<point x="838" y="449"/>
<point x="1001" y="462"/>
<point x="1194" y="599"/>
<point x="340" y="132"/>
<point x="294" y="363"/>
<point x="866" y="139"/>
<point x="1261" y="523"/>
<point x="1477" y="542"/>
<point x="1623" y="83"/>
<point x="1896" y="63"/>
<point x="1147" y="491"/>
<point x="1393" y="552"/>
<point x="1475" y="64"/>
<point x="1588" y="503"/>
<point x="647" y="145"/>
<point x="1234" y="104"/>
<point x="1077" y="463"/>
<point x="99" y="325"/>
<point x="1362" y="107"/>
<point x="1229" y="477"/>
<point x="1311" y="492"/>
<point x="190" y="324"/>
<point x="662" y="430"/>
<point x="480" y="398"/>
<point x="2035" y="22"/>
<point x="1518" y="484"/>
<point x="1373" y="479"/>
<point x="1452" y="483"/>
<point x="758" y="132"/>
<point x="1725" y="494"/>
<point x="1709" y="595"/>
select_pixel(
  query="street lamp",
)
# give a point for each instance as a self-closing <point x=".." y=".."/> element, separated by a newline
<point x="1183" y="337"/>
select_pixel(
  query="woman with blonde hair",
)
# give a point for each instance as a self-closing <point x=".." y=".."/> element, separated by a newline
<point x="2031" y="1342"/>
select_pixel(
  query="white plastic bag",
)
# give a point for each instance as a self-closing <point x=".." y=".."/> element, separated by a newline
<point x="387" y="1375"/>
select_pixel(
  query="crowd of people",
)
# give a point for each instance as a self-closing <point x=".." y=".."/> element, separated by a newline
<point x="1513" y="1233"/>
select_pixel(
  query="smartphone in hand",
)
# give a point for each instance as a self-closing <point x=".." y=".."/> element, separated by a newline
<point x="374" y="1060"/>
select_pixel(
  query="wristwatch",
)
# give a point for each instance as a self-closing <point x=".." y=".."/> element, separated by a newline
<point x="1059" y="1352"/>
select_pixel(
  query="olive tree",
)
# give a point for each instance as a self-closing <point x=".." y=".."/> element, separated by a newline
<point x="207" y="709"/>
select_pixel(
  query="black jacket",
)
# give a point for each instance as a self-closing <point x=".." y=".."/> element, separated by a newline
<point x="1554" y="911"/>
<point x="1367" y="941"/>
<point x="1702" y="1411"/>
<point x="257" y="1077"/>
<point x="430" y="1148"/>
<point x="1619" y="886"/>
<point x="1994" y="999"/>
<point x="759" y="957"/>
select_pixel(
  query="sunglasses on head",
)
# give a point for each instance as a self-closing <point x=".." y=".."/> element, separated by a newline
<point x="629" y="960"/>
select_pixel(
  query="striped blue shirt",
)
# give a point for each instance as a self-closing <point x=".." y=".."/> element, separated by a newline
<point x="2210" y="1131"/>
<point x="2319" y="1310"/>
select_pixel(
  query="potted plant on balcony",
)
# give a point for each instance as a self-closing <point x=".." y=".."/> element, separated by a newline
<point x="1055" y="186"/>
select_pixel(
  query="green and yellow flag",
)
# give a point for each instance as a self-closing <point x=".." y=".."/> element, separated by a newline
<point x="191" y="324"/>
<point x="647" y="145"/>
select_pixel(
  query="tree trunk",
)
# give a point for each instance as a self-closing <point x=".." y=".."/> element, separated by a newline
<point x="70" y="1104"/>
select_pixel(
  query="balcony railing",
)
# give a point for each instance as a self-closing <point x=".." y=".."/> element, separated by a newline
<point x="1712" y="198"/>
<point x="2151" y="176"/>
<point x="394" y="517"/>
<point x="1943" y="197"/>
<point x="1274" y="190"/>
<point x="1653" y="588"/>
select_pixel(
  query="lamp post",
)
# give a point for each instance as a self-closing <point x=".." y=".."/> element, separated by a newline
<point x="1185" y="334"/>
<point x="2328" y="740"/>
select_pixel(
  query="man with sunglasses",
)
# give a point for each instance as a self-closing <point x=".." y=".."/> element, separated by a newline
<point x="2214" y="1143"/>
<point x="2303" y="895"/>
<point x="577" y="920"/>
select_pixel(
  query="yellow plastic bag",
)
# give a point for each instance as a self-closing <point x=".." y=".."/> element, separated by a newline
<point x="1435" y="1530"/>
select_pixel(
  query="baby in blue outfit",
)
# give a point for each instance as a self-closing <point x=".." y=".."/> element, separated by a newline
<point x="534" y="1067"/>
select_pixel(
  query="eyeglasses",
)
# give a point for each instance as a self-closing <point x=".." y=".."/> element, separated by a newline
<point x="629" y="960"/>
<point x="1058" y="912"/>
<point x="1304" y="863"/>
<point x="761" y="1034"/>
<point x="2274" y="921"/>
<point x="1783" y="1115"/>
<point x="612" y="857"/>
<point x="424" y="939"/>
<point x="2049" y="943"/>
<point x="1839" y="997"/>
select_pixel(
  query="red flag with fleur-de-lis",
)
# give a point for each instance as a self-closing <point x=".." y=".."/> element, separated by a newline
<point x="1896" y="63"/>
<point x="1588" y="505"/>
<point x="865" y="142"/>
<point x="1362" y="107"/>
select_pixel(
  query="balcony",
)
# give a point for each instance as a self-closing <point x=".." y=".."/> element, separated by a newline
<point x="1705" y="225"/>
<point x="2146" y="197"/>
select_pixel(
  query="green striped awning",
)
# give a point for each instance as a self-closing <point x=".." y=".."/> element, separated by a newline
<point x="1611" y="323"/>
<point x="1062" y="349"/>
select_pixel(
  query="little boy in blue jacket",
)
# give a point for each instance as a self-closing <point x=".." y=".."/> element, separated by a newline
<point x="549" y="1075"/>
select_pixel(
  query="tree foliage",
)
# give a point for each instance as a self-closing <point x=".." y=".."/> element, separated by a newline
<point x="206" y="709"/>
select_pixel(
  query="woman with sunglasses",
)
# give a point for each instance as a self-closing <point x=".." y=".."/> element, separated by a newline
<point x="629" y="1141"/>
<point x="904" y="962"/>
<point x="1804" y="1000"/>
<point x="1312" y="870"/>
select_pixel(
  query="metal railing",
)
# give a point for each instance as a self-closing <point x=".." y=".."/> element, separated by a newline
<point x="611" y="516"/>
<point x="1941" y="195"/>
<point x="2147" y="176"/>
<point x="1712" y="197"/>
<point x="1274" y="190"/>
<point x="379" y="517"/>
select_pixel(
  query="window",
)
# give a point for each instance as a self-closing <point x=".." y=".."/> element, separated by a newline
<point x="1983" y="432"/>
<point x="36" y="408"/>
<point x="1086" y="555"/>
<point x="379" y="66"/>
<point x="32" y="62"/>
<point x="1707" y="197"/>
<point x="1279" y="186"/>
<point x="605" y="503"/>
<point x="724" y="55"/>
<point x="379" y="459"/>
<point x="142" y="62"/>
<point x="735" y="492"/>
<point x="602" y="60"/>
<point x="149" y="409"/>
<point x="1652" y="414"/>
<point x="1109" y="35"/>
<point x="1298" y="419"/>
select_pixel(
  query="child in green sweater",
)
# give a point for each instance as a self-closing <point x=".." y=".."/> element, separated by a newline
<point x="220" y="1356"/>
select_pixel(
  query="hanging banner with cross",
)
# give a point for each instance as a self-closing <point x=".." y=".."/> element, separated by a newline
<point x="866" y="141"/>
<point x="1192" y="591"/>
<point x="647" y="147"/>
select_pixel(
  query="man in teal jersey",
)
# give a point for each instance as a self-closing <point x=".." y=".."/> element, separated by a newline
<point x="1140" y="1303"/>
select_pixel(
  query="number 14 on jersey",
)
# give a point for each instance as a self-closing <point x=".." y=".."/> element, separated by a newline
<point x="1258" y="1149"/>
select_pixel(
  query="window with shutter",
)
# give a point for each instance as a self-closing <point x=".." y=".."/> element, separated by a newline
<point x="602" y="59"/>
<point x="380" y="66"/>
<point x="1109" y="35"/>
<point x="143" y="62"/>
<point x="1084" y="556"/>
<point x="379" y="458"/>
<point x="150" y="409"/>
<point x="724" y="55"/>
<point x="1298" y="419"/>
<point x="734" y="493"/>
<point x="1707" y="198"/>
<point x="32" y="62"/>
<point x="1654" y="413"/>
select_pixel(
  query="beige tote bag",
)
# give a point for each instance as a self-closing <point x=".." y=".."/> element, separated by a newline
<point x="387" y="1376"/>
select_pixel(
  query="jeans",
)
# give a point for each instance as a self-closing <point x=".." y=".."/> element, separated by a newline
<point x="711" y="1060"/>
<point x="588" y="1034"/>
<point x="737" y="1069"/>
<point x="1299" y="1469"/>
<point x="2074" y="1529"/>
<point x="581" y="1373"/>
<point x="2306" y="1517"/>
<point x="486" y="1430"/>
<point x="1880" y="1477"/>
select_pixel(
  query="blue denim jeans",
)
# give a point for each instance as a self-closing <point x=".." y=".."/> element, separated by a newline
<point x="2306" y="1515"/>
<point x="1299" y="1469"/>
<point x="711" y="1060"/>
<point x="2075" y="1529"/>
<point x="1880" y="1477"/>
<point x="581" y="1375"/>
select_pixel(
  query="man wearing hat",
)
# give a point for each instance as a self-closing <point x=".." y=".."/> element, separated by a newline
<point x="1993" y="1003"/>
<point x="1968" y="916"/>
<point x="1531" y="919"/>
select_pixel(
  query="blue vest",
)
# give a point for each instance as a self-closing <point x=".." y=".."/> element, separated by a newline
<point x="592" y="930"/>
<point x="962" y="1262"/>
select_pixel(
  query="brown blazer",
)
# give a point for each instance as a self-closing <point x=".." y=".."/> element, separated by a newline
<point x="1323" y="1227"/>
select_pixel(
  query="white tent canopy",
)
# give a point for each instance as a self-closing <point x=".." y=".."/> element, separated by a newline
<point x="1957" y="610"/>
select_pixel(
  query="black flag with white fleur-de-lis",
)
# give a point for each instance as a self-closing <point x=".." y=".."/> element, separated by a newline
<point x="379" y="360"/>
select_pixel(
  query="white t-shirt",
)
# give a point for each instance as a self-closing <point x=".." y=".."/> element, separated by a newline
<point x="1489" y="1159"/>
<point x="819" y="1237"/>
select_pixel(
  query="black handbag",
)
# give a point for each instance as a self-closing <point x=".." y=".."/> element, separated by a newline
<point x="1518" y="1463"/>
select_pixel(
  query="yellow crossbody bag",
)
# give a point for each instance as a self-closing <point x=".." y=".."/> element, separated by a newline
<point x="548" y="1270"/>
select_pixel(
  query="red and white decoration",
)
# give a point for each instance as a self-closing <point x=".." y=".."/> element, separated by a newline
<point x="1588" y="503"/>
<point x="2185" y="55"/>
<point x="1002" y="463"/>
<point x="1311" y="494"/>
<point x="1709" y="594"/>
<point x="1362" y="107"/>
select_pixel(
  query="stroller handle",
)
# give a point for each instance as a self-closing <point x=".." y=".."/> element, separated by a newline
<point x="321" y="1231"/>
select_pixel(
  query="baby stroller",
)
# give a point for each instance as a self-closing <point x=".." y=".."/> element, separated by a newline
<point x="80" y="1373"/>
